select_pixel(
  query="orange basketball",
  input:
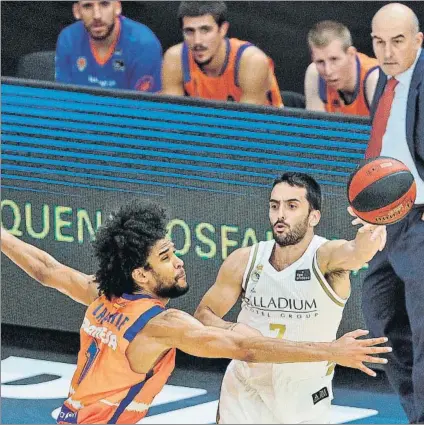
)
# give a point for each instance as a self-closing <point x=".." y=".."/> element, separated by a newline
<point x="381" y="190"/>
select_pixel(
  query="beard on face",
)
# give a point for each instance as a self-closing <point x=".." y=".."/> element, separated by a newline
<point x="291" y="236"/>
<point x="205" y="62"/>
<point x="109" y="31"/>
<point x="164" y="290"/>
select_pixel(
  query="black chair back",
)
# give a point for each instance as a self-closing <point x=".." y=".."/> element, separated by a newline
<point x="37" y="66"/>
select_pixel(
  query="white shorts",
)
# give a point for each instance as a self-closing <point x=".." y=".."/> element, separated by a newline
<point x="249" y="395"/>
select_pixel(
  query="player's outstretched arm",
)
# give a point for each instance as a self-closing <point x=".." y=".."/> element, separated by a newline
<point x="48" y="271"/>
<point x="352" y="255"/>
<point x="174" y="328"/>
<point x="224" y="293"/>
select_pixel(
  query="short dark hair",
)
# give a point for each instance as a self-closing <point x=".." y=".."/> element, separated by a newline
<point x="313" y="189"/>
<point x="218" y="10"/>
<point x="124" y="242"/>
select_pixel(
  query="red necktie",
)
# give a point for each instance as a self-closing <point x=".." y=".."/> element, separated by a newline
<point x="380" y="119"/>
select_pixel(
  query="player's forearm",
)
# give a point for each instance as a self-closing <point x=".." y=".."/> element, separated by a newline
<point x="218" y="343"/>
<point x="206" y="316"/>
<point x="32" y="260"/>
<point x="266" y="350"/>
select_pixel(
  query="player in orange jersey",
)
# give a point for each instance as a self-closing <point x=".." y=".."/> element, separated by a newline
<point x="339" y="79"/>
<point x="129" y="337"/>
<point x="209" y="65"/>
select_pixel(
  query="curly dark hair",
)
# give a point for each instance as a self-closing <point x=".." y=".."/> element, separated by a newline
<point x="123" y="244"/>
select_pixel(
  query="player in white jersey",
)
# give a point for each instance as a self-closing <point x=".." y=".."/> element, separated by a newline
<point x="293" y="287"/>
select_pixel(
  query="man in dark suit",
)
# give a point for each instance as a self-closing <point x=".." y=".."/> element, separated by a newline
<point x="393" y="291"/>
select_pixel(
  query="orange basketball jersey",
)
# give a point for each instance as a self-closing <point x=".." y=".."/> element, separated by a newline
<point x="360" y="105"/>
<point x="225" y="86"/>
<point x="104" y="388"/>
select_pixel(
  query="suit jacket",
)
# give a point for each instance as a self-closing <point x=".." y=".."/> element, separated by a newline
<point x="414" y="112"/>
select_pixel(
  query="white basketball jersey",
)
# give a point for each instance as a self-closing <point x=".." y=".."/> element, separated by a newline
<point x="296" y="304"/>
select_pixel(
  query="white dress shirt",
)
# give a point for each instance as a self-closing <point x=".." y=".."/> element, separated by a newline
<point x="394" y="140"/>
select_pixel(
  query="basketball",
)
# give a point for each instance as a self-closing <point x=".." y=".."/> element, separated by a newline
<point x="381" y="190"/>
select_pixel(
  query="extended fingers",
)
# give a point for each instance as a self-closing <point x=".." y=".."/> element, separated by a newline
<point x="367" y="370"/>
<point x="371" y="359"/>
<point x="357" y="221"/>
<point x="378" y="232"/>
<point x="357" y="333"/>
<point x="374" y="341"/>
<point x="350" y="211"/>
<point x="378" y="350"/>
<point x="371" y="228"/>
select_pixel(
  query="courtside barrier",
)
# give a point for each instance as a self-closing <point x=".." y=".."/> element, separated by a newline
<point x="70" y="155"/>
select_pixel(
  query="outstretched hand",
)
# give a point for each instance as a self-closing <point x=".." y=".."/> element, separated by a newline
<point x="378" y="231"/>
<point x="352" y="352"/>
